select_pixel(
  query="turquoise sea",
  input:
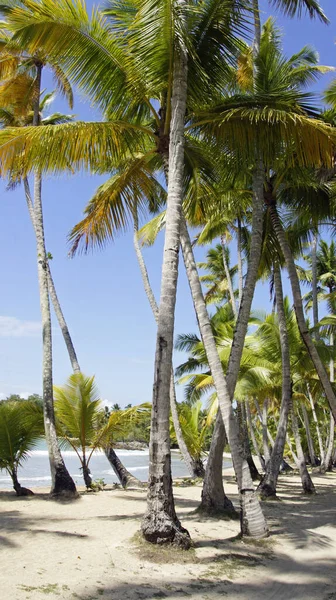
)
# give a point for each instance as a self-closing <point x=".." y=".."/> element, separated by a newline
<point x="35" y="470"/>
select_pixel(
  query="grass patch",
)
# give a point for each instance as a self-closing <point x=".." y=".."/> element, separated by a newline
<point x="229" y="565"/>
<point x="162" y="554"/>
<point x="49" y="588"/>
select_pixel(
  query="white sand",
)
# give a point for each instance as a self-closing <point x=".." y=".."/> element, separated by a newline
<point x="84" y="549"/>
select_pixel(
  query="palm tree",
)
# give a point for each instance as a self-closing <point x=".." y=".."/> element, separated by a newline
<point x="82" y="423"/>
<point x="21" y="427"/>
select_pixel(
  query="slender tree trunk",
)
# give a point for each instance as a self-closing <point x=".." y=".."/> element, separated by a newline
<point x="228" y="278"/>
<point x="195" y="469"/>
<point x="314" y="283"/>
<point x="214" y="500"/>
<point x="327" y="466"/>
<point x="53" y="294"/>
<point x="298" y="307"/>
<point x="86" y="473"/>
<point x="307" y="483"/>
<point x="62" y="483"/>
<point x="268" y="485"/>
<point x="160" y="523"/>
<point x="265" y="433"/>
<point x="318" y="431"/>
<point x="253" y="437"/>
<point x="239" y="261"/>
<point x="253" y="521"/>
<point x="245" y="442"/>
<point x="126" y="478"/>
<point x="309" y="436"/>
<point x="20" y="491"/>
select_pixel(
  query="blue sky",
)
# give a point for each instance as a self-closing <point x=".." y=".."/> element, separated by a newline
<point x="101" y="293"/>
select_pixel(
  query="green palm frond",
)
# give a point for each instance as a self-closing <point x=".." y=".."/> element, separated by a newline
<point x="21" y="427"/>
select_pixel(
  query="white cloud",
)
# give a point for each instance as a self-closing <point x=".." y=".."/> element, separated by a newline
<point x="16" y="328"/>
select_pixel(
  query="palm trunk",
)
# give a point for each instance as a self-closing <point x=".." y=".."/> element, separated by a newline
<point x="327" y="466"/>
<point x="268" y="485"/>
<point x="253" y="522"/>
<point x="318" y="431"/>
<point x="62" y="483"/>
<point x="307" y="483"/>
<point x="53" y="294"/>
<point x="160" y="523"/>
<point x="314" y="283"/>
<point x="298" y="307"/>
<point x="193" y="467"/>
<point x="265" y="433"/>
<point x="214" y="501"/>
<point x="245" y="442"/>
<point x="228" y="279"/>
<point x="309" y="437"/>
<point x="126" y="478"/>
<point x="239" y="262"/>
<point x="86" y="473"/>
<point x="20" y="491"/>
<point x="252" y="434"/>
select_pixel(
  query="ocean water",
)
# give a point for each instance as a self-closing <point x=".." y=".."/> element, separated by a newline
<point x="35" y="470"/>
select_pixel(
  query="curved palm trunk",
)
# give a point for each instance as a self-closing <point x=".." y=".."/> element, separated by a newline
<point x="20" y="491"/>
<point x="318" y="431"/>
<point x="86" y="473"/>
<point x="253" y="522"/>
<point x="228" y="279"/>
<point x="309" y="437"/>
<point x="160" y="523"/>
<point x="298" y="307"/>
<point x="62" y="483"/>
<point x="53" y="294"/>
<point x="214" y="499"/>
<point x="268" y="485"/>
<point x="306" y="480"/>
<point x="252" y="434"/>
<point x="194" y="468"/>
<point x="314" y="283"/>
<point x="239" y="262"/>
<point x="245" y="442"/>
<point x="126" y="478"/>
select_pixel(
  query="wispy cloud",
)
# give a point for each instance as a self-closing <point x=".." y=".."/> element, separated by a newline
<point x="11" y="327"/>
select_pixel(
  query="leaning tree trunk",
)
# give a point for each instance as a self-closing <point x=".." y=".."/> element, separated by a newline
<point x="239" y="261"/>
<point x="253" y="521"/>
<point x="53" y="294"/>
<point x="265" y="433"/>
<point x="310" y="443"/>
<point x="253" y="437"/>
<point x="160" y="523"/>
<point x="268" y="485"/>
<point x="20" y="491"/>
<point x="245" y="442"/>
<point x="314" y="283"/>
<point x="306" y="480"/>
<point x="62" y="483"/>
<point x="214" y="500"/>
<point x="228" y="279"/>
<point x="195" y="468"/>
<point x="298" y="307"/>
<point x="327" y="465"/>
<point x="318" y="431"/>
<point x="126" y="478"/>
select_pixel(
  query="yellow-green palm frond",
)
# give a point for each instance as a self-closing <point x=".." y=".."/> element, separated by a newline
<point x="17" y="92"/>
<point x="149" y="232"/>
<point x="69" y="147"/>
<point x="132" y="188"/>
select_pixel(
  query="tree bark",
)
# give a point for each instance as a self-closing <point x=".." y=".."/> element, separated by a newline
<point x="298" y="307"/>
<point x="318" y="431"/>
<point x="268" y="485"/>
<point x="62" y="483"/>
<point x="309" y="437"/>
<point x="160" y="523"/>
<point x="20" y="491"/>
<point x="228" y="279"/>
<point x="328" y="466"/>
<point x="252" y="519"/>
<point x="126" y="478"/>
<point x="306" y="480"/>
<point x="195" y="469"/>
<point x="53" y="294"/>
<point x="314" y="283"/>
<point x="245" y="442"/>
<point x="239" y="261"/>
<point x="86" y="474"/>
<point x="253" y="437"/>
<point x="265" y="433"/>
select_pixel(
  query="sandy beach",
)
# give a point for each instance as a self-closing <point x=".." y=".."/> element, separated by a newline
<point x="88" y="549"/>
